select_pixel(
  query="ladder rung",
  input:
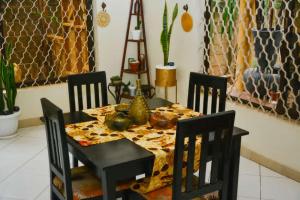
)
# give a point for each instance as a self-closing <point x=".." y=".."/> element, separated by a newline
<point x="131" y="40"/>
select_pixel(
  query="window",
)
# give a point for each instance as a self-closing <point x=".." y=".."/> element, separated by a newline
<point x="51" y="39"/>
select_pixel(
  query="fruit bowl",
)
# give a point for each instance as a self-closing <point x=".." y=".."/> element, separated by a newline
<point x="161" y="120"/>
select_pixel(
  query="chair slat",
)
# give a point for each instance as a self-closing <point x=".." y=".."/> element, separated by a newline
<point x="88" y="96"/>
<point x="97" y="96"/>
<point x="215" y="158"/>
<point x="203" y="160"/>
<point x="190" y="163"/>
<point x="214" y="97"/>
<point x="197" y="101"/>
<point x="79" y="97"/>
<point x="205" y="100"/>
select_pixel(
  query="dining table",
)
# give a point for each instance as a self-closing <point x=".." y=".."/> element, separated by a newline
<point x="121" y="158"/>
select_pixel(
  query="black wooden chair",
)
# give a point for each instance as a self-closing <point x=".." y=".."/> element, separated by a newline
<point x="65" y="183"/>
<point x="87" y="80"/>
<point x="214" y="84"/>
<point x="77" y="82"/>
<point x="196" y="187"/>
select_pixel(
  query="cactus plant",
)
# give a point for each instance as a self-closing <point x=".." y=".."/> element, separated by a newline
<point x="8" y="89"/>
<point x="166" y="33"/>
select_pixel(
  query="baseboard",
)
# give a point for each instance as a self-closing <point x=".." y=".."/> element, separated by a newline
<point x="29" y="122"/>
<point x="271" y="164"/>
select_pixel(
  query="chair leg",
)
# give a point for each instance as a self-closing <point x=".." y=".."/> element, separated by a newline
<point x="75" y="162"/>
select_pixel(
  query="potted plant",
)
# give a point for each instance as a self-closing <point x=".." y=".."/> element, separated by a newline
<point x="136" y="33"/>
<point x="9" y="113"/>
<point x="133" y="64"/>
<point x="267" y="38"/>
<point x="262" y="79"/>
<point x="166" y="73"/>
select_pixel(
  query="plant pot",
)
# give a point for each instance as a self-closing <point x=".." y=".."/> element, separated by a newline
<point x="266" y="45"/>
<point x="9" y="125"/>
<point x="165" y="76"/>
<point x="258" y="84"/>
<point x="134" y="66"/>
<point x="136" y="34"/>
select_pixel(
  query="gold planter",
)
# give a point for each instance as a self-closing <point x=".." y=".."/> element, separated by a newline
<point x="166" y="78"/>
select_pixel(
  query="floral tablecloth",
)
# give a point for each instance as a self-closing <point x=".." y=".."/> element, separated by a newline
<point x="160" y="142"/>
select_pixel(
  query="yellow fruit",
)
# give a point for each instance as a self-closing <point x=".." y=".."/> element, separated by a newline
<point x="187" y="22"/>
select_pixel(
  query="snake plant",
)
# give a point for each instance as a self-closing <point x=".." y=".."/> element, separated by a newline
<point x="166" y="33"/>
<point x="8" y="89"/>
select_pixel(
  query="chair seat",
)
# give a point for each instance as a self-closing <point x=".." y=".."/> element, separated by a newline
<point x="165" y="193"/>
<point x="85" y="184"/>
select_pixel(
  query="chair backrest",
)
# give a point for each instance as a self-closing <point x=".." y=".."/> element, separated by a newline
<point x="57" y="148"/>
<point x="87" y="80"/>
<point x="218" y="87"/>
<point x="215" y="150"/>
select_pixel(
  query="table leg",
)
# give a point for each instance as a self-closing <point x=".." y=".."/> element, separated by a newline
<point x="75" y="161"/>
<point x="108" y="185"/>
<point x="234" y="168"/>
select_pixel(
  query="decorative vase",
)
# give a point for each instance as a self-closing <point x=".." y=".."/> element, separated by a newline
<point x="138" y="110"/>
<point x="132" y="90"/>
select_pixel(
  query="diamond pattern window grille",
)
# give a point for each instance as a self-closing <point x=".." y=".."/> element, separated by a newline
<point x="255" y="44"/>
<point x="51" y="38"/>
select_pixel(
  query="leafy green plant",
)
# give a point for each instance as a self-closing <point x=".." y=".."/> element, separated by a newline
<point x="166" y="33"/>
<point x="138" y="25"/>
<point x="229" y="16"/>
<point x="8" y="88"/>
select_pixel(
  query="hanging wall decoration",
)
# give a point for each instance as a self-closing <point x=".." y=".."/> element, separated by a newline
<point x="186" y="20"/>
<point x="103" y="18"/>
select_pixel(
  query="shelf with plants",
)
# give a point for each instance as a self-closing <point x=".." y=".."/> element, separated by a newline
<point x="139" y="65"/>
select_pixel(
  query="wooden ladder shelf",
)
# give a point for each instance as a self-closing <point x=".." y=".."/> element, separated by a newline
<point x="136" y="10"/>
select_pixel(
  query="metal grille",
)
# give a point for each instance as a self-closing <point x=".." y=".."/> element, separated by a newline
<point x="255" y="44"/>
<point x="51" y="38"/>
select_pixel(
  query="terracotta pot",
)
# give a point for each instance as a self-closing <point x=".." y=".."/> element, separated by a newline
<point x="134" y="66"/>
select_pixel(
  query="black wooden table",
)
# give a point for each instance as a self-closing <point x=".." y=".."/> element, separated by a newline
<point x="123" y="159"/>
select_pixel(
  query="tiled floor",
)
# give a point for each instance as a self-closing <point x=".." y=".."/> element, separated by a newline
<point x="24" y="172"/>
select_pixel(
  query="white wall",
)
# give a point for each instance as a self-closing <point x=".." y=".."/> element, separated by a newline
<point x="272" y="137"/>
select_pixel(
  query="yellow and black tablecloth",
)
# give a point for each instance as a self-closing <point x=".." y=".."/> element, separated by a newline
<point x="160" y="142"/>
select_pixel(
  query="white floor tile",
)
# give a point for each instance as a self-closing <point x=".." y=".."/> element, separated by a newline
<point x="249" y="186"/>
<point x="45" y="195"/>
<point x="8" y="166"/>
<point x="247" y="198"/>
<point x="248" y="167"/>
<point x="23" y="186"/>
<point x="279" y="188"/>
<point x="33" y="132"/>
<point x="267" y="172"/>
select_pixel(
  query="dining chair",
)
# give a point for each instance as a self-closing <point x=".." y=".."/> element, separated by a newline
<point x="66" y="183"/>
<point x="76" y="82"/>
<point x="214" y="84"/>
<point x="87" y="80"/>
<point x="200" y="186"/>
